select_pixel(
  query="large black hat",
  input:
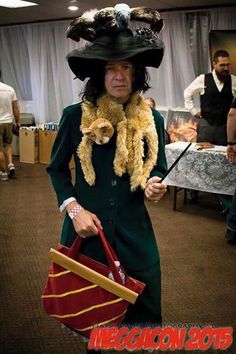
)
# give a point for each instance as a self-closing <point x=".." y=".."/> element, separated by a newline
<point x="111" y="38"/>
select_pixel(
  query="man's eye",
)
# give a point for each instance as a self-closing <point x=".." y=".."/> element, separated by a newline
<point x="127" y="67"/>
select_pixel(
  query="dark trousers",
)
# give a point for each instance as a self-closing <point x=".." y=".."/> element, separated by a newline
<point x="231" y="218"/>
<point x="214" y="134"/>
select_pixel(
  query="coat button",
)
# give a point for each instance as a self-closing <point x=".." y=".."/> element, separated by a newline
<point x="111" y="202"/>
<point x="114" y="182"/>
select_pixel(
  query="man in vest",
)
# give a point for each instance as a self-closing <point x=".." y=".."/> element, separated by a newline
<point x="216" y="91"/>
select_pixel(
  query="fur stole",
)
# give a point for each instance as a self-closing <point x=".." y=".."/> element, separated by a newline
<point x="134" y="125"/>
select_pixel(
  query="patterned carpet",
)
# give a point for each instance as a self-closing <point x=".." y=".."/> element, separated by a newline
<point x="198" y="266"/>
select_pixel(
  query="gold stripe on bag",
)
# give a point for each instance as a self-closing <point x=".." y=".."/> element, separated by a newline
<point x="52" y="275"/>
<point x="70" y="292"/>
<point x="101" y="323"/>
<point x="87" y="309"/>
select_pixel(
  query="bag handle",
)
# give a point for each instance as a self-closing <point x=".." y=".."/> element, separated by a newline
<point x="110" y="254"/>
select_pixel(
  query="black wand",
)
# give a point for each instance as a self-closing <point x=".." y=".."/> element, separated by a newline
<point x="175" y="162"/>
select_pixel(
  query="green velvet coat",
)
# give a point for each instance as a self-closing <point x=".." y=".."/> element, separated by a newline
<point x="123" y="214"/>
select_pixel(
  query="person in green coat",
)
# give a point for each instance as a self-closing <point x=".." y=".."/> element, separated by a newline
<point x="113" y="179"/>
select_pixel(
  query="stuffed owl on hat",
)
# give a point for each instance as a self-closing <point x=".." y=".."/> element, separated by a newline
<point x="93" y="23"/>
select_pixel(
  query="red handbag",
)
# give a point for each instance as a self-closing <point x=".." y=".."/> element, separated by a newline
<point x="82" y="293"/>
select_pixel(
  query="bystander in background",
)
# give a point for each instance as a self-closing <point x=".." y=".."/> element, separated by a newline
<point x="152" y="104"/>
<point x="231" y="155"/>
<point x="9" y="111"/>
<point x="216" y="90"/>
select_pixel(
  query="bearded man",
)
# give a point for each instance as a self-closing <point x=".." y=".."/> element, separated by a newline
<point x="216" y="90"/>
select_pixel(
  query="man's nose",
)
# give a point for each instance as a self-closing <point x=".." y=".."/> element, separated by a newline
<point x="119" y="75"/>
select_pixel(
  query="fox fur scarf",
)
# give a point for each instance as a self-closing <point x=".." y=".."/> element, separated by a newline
<point x="134" y="125"/>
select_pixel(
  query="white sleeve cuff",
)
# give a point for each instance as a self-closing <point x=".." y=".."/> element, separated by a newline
<point x="195" y="111"/>
<point x="66" y="202"/>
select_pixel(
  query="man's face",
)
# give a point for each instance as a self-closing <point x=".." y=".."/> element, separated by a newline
<point x="118" y="79"/>
<point x="221" y="67"/>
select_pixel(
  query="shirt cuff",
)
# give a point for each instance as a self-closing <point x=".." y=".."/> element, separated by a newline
<point x="194" y="111"/>
<point x="66" y="202"/>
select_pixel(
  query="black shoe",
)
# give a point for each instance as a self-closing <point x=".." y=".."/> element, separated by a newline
<point x="11" y="173"/>
<point x="230" y="236"/>
<point x="224" y="212"/>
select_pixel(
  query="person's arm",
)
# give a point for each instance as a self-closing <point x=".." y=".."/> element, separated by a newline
<point x="196" y="87"/>
<point x="84" y="222"/>
<point x="231" y="126"/>
<point x="231" y="133"/>
<point x="16" y="112"/>
<point x="233" y="78"/>
<point x="62" y="151"/>
<point x="155" y="190"/>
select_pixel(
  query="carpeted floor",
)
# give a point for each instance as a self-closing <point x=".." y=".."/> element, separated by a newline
<point x="198" y="266"/>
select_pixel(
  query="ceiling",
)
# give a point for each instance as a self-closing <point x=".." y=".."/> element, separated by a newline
<point x="48" y="10"/>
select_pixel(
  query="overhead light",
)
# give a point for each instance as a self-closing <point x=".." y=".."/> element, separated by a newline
<point x="73" y="8"/>
<point x="13" y="4"/>
<point x="73" y="5"/>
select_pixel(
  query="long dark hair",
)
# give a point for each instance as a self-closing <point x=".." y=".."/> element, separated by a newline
<point x="94" y="87"/>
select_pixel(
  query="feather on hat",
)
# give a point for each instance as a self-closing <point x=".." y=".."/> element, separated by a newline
<point x="111" y="38"/>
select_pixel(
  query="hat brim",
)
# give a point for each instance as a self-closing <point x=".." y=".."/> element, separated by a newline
<point x="85" y="61"/>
